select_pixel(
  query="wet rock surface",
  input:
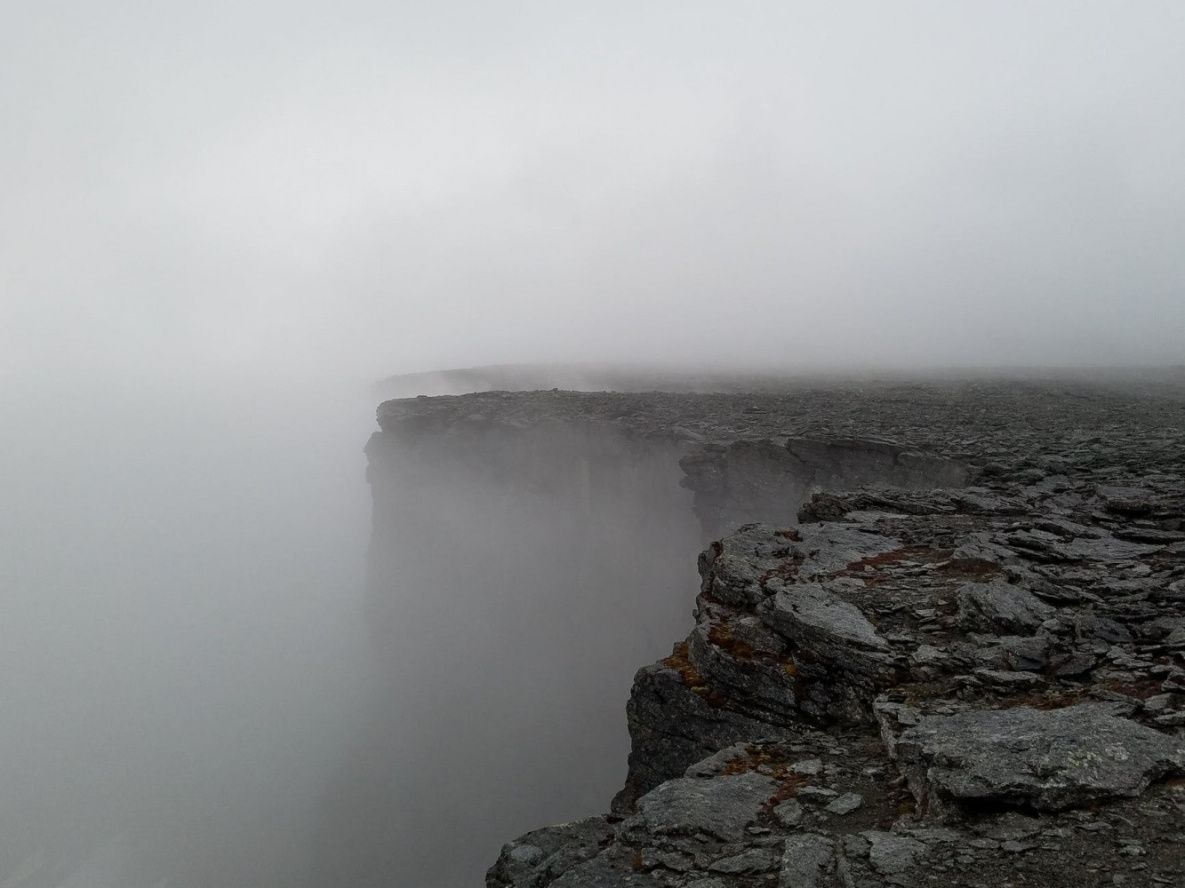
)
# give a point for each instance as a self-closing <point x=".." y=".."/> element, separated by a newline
<point x="978" y="683"/>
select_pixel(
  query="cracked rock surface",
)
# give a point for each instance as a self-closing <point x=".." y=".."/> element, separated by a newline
<point x="980" y="684"/>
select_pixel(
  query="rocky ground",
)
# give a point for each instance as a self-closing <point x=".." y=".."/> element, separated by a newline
<point x="970" y="686"/>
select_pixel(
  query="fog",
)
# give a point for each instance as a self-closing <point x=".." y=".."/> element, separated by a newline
<point x="221" y="224"/>
<point x="392" y="187"/>
<point x="182" y="655"/>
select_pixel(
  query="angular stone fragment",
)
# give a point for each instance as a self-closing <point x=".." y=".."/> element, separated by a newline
<point x="1016" y="652"/>
<point x="789" y="813"/>
<point x="1126" y="500"/>
<point x="806" y="859"/>
<point x="1001" y="609"/>
<point x="720" y="807"/>
<point x="561" y="848"/>
<point x="810" y="613"/>
<point x="1050" y="761"/>
<point x="830" y="631"/>
<point x="673" y="727"/>
<point x="755" y="860"/>
<point x="846" y="804"/>
<point x="892" y="856"/>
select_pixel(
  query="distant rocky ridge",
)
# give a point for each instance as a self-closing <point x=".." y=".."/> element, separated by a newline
<point x="963" y="664"/>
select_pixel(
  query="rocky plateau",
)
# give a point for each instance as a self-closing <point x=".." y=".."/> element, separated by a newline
<point x="939" y="638"/>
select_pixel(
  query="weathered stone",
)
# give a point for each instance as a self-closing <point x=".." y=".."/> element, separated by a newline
<point x="1048" y="760"/>
<point x="789" y="813"/>
<point x="845" y="804"/>
<point x="805" y="861"/>
<point x="1001" y="608"/>
<point x="891" y="855"/>
<point x="721" y="807"/>
<point x="555" y="849"/>
<point x="1016" y="652"/>
<point x="755" y="860"/>
<point x="673" y="725"/>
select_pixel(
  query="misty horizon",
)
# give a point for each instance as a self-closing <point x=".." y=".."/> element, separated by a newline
<point x="228" y="231"/>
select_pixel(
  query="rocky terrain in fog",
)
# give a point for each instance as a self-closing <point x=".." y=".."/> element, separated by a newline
<point x="939" y="636"/>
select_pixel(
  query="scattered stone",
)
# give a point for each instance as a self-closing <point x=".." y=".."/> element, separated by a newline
<point x="805" y="860"/>
<point x="845" y="804"/>
<point x="789" y="813"/>
<point x="893" y="856"/>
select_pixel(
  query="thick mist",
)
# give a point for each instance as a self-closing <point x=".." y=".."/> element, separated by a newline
<point x="518" y="577"/>
<point x="182" y="654"/>
<point x="222" y="223"/>
<point x="224" y="664"/>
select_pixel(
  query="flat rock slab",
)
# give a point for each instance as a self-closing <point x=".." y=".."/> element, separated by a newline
<point x="811" y="615"/>
<point x="891" y="855"/>
<point x="1001" y="608"/>
<point x="720" y="807"/>
<point x="805" y="861"/>
<point x="1047" y="760"/>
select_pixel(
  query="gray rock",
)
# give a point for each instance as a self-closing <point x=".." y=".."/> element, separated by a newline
<point x="1015" y="652"/>
<point x="812" y="616"/>
<point x="674" y="860"/>
<point x="789" y="813"/>
<point x="832" y="633"/>
<point x="805" y="860"/>
<point x="1072" y="663"/>
<point x="720" y="807"/>
<point x="1091" y="627"/>
<point x="1009" y="681"/>
<point x="526" y="855"/>
<point x="891" y="855"/>
<point x="715" y="764"/>
<point x="557" y="849"/>
<point x="610" y="869"/>
<point x="1001" y="608"/>
<point x="1050" y="761"/>
<point x="808" y="767"/>
<point x="755" y="860"/>
<point x="845" y="804"/>
<point x="672" y="728"/>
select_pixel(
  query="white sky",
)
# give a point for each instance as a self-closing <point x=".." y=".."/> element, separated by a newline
<point x="295" y="188"/>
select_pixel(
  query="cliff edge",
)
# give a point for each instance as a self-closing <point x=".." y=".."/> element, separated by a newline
<point x="971" y="674"/>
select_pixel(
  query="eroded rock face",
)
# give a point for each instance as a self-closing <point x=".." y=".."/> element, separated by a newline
<point x="748" y="481"/>
<point x="970" y="686"/>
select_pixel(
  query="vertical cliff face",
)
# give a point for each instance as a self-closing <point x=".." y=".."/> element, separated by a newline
<point x="747" y="481"/>
<point x="517" y="574"/>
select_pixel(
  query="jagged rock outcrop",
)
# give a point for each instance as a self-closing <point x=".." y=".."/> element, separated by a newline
<point x="972" y="686"/>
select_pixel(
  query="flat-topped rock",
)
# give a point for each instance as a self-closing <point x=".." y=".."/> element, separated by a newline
<point x="1028" y="758"/>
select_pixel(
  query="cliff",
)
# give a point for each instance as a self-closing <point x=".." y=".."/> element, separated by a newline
<point x="938" y="639"/>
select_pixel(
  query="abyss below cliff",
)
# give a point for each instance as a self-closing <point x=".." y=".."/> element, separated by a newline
<point x="966" y="684"/>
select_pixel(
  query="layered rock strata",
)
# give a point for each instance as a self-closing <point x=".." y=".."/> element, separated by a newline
<point x="971" y="686"/>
